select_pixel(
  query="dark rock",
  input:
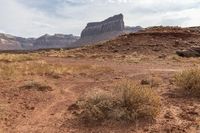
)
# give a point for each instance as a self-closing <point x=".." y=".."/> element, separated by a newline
<point x="192" y="52"/>
<point x="145" y="82"/>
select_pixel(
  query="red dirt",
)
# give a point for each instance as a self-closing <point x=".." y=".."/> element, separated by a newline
<point x="35" y="111"/>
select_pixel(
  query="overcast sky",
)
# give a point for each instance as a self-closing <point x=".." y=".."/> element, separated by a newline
<point x="32" y="18"/>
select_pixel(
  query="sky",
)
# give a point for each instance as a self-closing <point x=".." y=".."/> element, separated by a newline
<point x="33" y="18"/>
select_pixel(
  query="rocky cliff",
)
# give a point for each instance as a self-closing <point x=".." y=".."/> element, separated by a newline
<point x="105" y="30"/>
<point x="55" y="41"/>
<point x="115" y="23"/>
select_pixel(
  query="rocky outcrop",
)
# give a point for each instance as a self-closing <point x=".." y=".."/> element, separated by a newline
<point x="105" y="30"/>
<point x="192" y="52"/>
<point x="102" y="31"/>
<point x="55" y="41"/>
<point x="111" y="24"/>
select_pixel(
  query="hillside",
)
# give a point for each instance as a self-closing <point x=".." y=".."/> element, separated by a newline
<point x="155" y="40"/>
<point x="49" y="91"/>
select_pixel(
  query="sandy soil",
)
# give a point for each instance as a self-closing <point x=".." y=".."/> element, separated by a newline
<point x="136" y="57"/>
<point x="34" y="111"/>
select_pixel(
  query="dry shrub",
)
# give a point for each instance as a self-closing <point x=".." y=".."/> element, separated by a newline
<point x="127" y="102"/>
<point x="36" y="86"/>
<point x="189" y="82"/>
<point x="17" y="57"/>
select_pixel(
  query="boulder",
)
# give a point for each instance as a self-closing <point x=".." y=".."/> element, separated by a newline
<point x="192" y="52"/>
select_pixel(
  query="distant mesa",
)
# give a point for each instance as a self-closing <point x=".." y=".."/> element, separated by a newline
<point x="105" y="30"/>
<point x="93" y="33"/>
<point x="115" y="23"/>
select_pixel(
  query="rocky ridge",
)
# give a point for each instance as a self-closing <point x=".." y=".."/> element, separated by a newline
<point x="8" y="42"/>
<point x="55" y="41"/>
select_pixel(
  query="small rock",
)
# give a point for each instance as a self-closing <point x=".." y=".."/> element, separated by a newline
<point x="73" y="107"/>
<point x="145" y="82"/>
<point x="163" y="56"/>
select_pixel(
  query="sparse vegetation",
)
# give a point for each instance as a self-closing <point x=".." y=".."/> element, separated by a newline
<point x="128" y="102"/>
<point x="36" y="86"/>
<point x="189" y="81"/>
<point x="16" y="57"/>
<point x="43" y="68"/>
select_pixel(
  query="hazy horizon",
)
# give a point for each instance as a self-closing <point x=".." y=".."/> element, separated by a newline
<point x="34" y="18"/>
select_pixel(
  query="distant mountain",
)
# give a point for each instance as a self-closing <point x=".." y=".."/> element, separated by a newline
<point x="129" y="29"/>
<point x="93" y="33"/>
<point x="105" y="30"/>
<point x="55" y="41"/>
<point x="26" y="43"/>
<point x="9" y="42"/>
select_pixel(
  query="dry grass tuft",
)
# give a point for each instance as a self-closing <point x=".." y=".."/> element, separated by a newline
<point x="127" y="102"/>
<point x="189" y="82"/>
<point x="36" y="86"/>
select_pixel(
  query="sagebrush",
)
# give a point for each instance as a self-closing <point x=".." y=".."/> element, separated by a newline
<point x="188" y="81"/>
<point x="126" y="102"/>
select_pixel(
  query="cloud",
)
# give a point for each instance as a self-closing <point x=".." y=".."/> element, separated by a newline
<point x="36" y="17"/>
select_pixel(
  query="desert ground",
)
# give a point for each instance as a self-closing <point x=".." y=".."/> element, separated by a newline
<point x="38" y="89"/>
